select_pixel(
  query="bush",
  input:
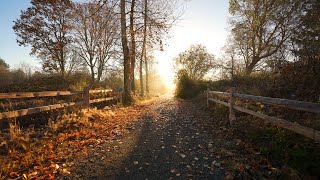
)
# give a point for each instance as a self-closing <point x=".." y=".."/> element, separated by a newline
<point x="186" y="87"/>
<point x="259" y="84"/>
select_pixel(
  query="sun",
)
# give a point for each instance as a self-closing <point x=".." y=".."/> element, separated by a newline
<point x="164" y="66"/>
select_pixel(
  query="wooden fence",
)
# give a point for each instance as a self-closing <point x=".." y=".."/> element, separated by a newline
<point x="85" y="102"/>
<point x="292" y="104"/>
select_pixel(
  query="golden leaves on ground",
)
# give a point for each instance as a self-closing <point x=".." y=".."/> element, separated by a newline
<point x="64" y="139"/>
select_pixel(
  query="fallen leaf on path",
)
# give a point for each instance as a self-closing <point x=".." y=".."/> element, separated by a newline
<point x="228" y="177"/>
<point x="65" y="171"/>
<point x="241" y="167"/>
<point x="173" y="171"/>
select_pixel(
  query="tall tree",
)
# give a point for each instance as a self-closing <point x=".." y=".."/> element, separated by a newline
<point x="143" y="53"/>
<point x="262" y="27"/>
<point x="126" y="54"/>
<point x="133" y="43"/>
<point x="45" y="26"/>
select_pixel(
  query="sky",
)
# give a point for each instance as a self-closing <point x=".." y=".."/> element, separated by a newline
<point x="204" y="22"/>
<point x="10" y="51"/>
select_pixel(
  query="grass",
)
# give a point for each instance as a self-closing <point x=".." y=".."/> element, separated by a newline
<point x="284" y="147"/>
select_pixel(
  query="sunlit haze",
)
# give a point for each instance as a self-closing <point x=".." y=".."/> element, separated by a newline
<point x="204" y="22"/>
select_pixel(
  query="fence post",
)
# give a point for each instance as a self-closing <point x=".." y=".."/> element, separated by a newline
<point x="208" y="97"/>
<point x="232" y="116"/>
<point x="86" y="97"/>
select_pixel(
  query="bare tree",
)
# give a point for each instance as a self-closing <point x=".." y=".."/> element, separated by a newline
<point x="133" y="43"/>
<point x="95" y="34"/>
<point x="45" y="26"/>
<point x="261" y="27"/>
<point x="126" y="54"/>
<point x="143" y="53"/>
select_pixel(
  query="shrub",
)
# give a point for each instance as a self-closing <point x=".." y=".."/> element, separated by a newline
<point x="259" y="84"/>
<point x="186" y="87"/>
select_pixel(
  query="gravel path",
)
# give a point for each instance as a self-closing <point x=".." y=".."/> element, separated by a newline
<point x="171" y="145"/>
<point x="167" y="142"/>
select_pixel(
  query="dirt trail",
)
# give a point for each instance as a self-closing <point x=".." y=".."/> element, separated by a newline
<point x="171" y="144"/>
<point x="166" y="142"/>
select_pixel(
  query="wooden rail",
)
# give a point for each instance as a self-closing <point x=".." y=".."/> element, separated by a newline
<point x="20" y="95"/>
<point x="292" y="104"/>
<point x="100" y="91"/>
<point x="23" y="112"/>
<point x="85" y="102"/>
<point x="101" y="100"/>
<point x="219" y="93"/>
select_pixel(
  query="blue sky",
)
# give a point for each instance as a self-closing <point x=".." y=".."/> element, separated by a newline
<point x="204" y="21"/>
<point x="10" y="51"/>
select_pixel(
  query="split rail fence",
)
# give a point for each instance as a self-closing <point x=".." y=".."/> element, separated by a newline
<point x="34" y="110"/>
<point x="292" y="104"/>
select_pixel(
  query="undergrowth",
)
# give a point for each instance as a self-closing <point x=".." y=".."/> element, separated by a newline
<point x="286" y="150"/>
<point x="284" y="147"/>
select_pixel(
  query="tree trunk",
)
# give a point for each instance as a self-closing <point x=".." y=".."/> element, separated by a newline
<point x="232" y="71"/>
<point x="147" y="73"/>
<point x="250" y="67"/>
<point x="126" y="55"/>
<point x="100" y="70"/>
<point x="143" y="46"/>
<point x="62" y="71"/>
<point x="133" y="45"/>
<point x="248" y="71"/>
<point x="92" y="74"/>
<point x="62" y="64"/>
<point x="141" y="78"/>
<point x="145" y="49"/>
